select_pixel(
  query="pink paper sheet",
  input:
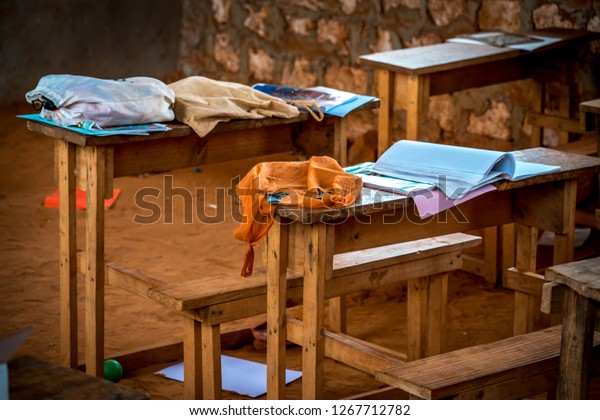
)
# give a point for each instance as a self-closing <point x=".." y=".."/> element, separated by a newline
<point x="435" y="201"/>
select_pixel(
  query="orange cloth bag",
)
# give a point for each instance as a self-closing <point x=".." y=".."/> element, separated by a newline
<point x="317" y="183"/>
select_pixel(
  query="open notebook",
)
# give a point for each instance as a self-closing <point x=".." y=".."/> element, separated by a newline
<point x="453" y="169"/>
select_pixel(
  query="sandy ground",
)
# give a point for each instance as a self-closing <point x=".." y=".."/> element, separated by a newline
<point x="478" y="312"/>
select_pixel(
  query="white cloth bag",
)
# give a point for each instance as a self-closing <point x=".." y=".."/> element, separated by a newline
<point x="69" y="100"/>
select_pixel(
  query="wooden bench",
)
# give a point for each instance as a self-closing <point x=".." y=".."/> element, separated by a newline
<point x="206" y="304"/>
<point x="512" y="368"/>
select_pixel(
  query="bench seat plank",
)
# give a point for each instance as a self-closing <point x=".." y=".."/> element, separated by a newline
<point x="463" y="372"/>
<point x="199" y="293"/>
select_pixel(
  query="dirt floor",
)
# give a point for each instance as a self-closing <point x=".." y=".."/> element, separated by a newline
<point x="478" y="312"/>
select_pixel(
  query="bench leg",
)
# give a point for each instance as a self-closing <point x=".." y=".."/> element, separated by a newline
<point x="526" y="255"/>
<point x="201" y="360"/>
<point x="192" y="365"/>
<point x="336" y="314"/>
<point x="576" y="346"/>
<point x="426" y="318"/>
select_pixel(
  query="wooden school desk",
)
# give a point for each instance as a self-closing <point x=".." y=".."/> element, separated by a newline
<point x="306" y="241"/>
<point x="406" y="78"/>
<point x="91" y="163"/>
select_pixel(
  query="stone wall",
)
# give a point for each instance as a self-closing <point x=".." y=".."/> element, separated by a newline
<point x="318" y="42"/>
<point x="292" y="42"/>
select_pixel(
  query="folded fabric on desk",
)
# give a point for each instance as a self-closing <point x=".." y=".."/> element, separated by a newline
<point x="317" y="183"/>
<point x="202" y="103"/>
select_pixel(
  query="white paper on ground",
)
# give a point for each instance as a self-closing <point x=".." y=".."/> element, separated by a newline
<point x="238" y="375"/>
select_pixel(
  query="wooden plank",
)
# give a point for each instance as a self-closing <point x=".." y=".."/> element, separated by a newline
<point x="385" y="91"/>
<point x="343" y="283"/>
<point x="359" y="354"/>
<point x="480" y="75"/>
<point x="176" y="130"/>
<point x="555" y="122"/>
<point x="337" y="286"/>
<point x="435" y="58"/>
<point x="94" y="282"/>
<point x="192" y="358"/>
<point x="564" y="241"/>
<point x="275" y="307"/>
<point x="467" y="370"/>
<point x="169" y="153"/>
<point x="426" y="318"/>
<point x="508" y="243"/>
<point x="553" y="295"/>
<point x="211" y="361"/>
<point x="417" y="103"/>
<point x="385" y="393"/>
<point x="490" y="254"/>
<point x="318" y="268"/>
<point x="526" y="255"/>
<point x="525" y="282"/>
<point x="416" y="317"/>
<point x="67" y="225"/>
<point x="340" y="141"/>
<point x="386" y="227"/>
<point x="576" y="346"/>
<point x="582" y="276"/>
<point x="436" y="314"/>
<point x="191" y="294"/>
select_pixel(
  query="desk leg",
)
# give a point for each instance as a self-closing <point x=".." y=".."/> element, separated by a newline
<point x="277" y="252"/>
<point x="526" y="256"/>
<point x="426" y="316"/>
<point x="318" y="263"/>
<point x="336" y="315"/>
<point x="576" y="346"/>
<point x="340" y="140"/>
<point x="65" y="154"/>
<point x="564" y="243"/>
<point x="417" y="104"/>
<point x="385" y="91"/>
<point x="95" y="160"/>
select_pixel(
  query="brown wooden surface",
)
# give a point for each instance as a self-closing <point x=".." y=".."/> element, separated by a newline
<point x="370" y="201"/>
<point x="581" y="276"/>
<point x="475" y="368"/>
<point x="176" y="129"/>
<point x="31" y="378"/>
<point x="593" y="106"/>
<point x="450" y="56"/>
<point x="579" y="318"/>
<point x="204" y="292"/>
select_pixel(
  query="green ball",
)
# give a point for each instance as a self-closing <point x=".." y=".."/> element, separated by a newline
<point x="113" y="371"/>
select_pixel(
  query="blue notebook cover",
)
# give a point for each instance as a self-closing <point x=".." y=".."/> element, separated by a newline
<point x="91" y="129"/>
